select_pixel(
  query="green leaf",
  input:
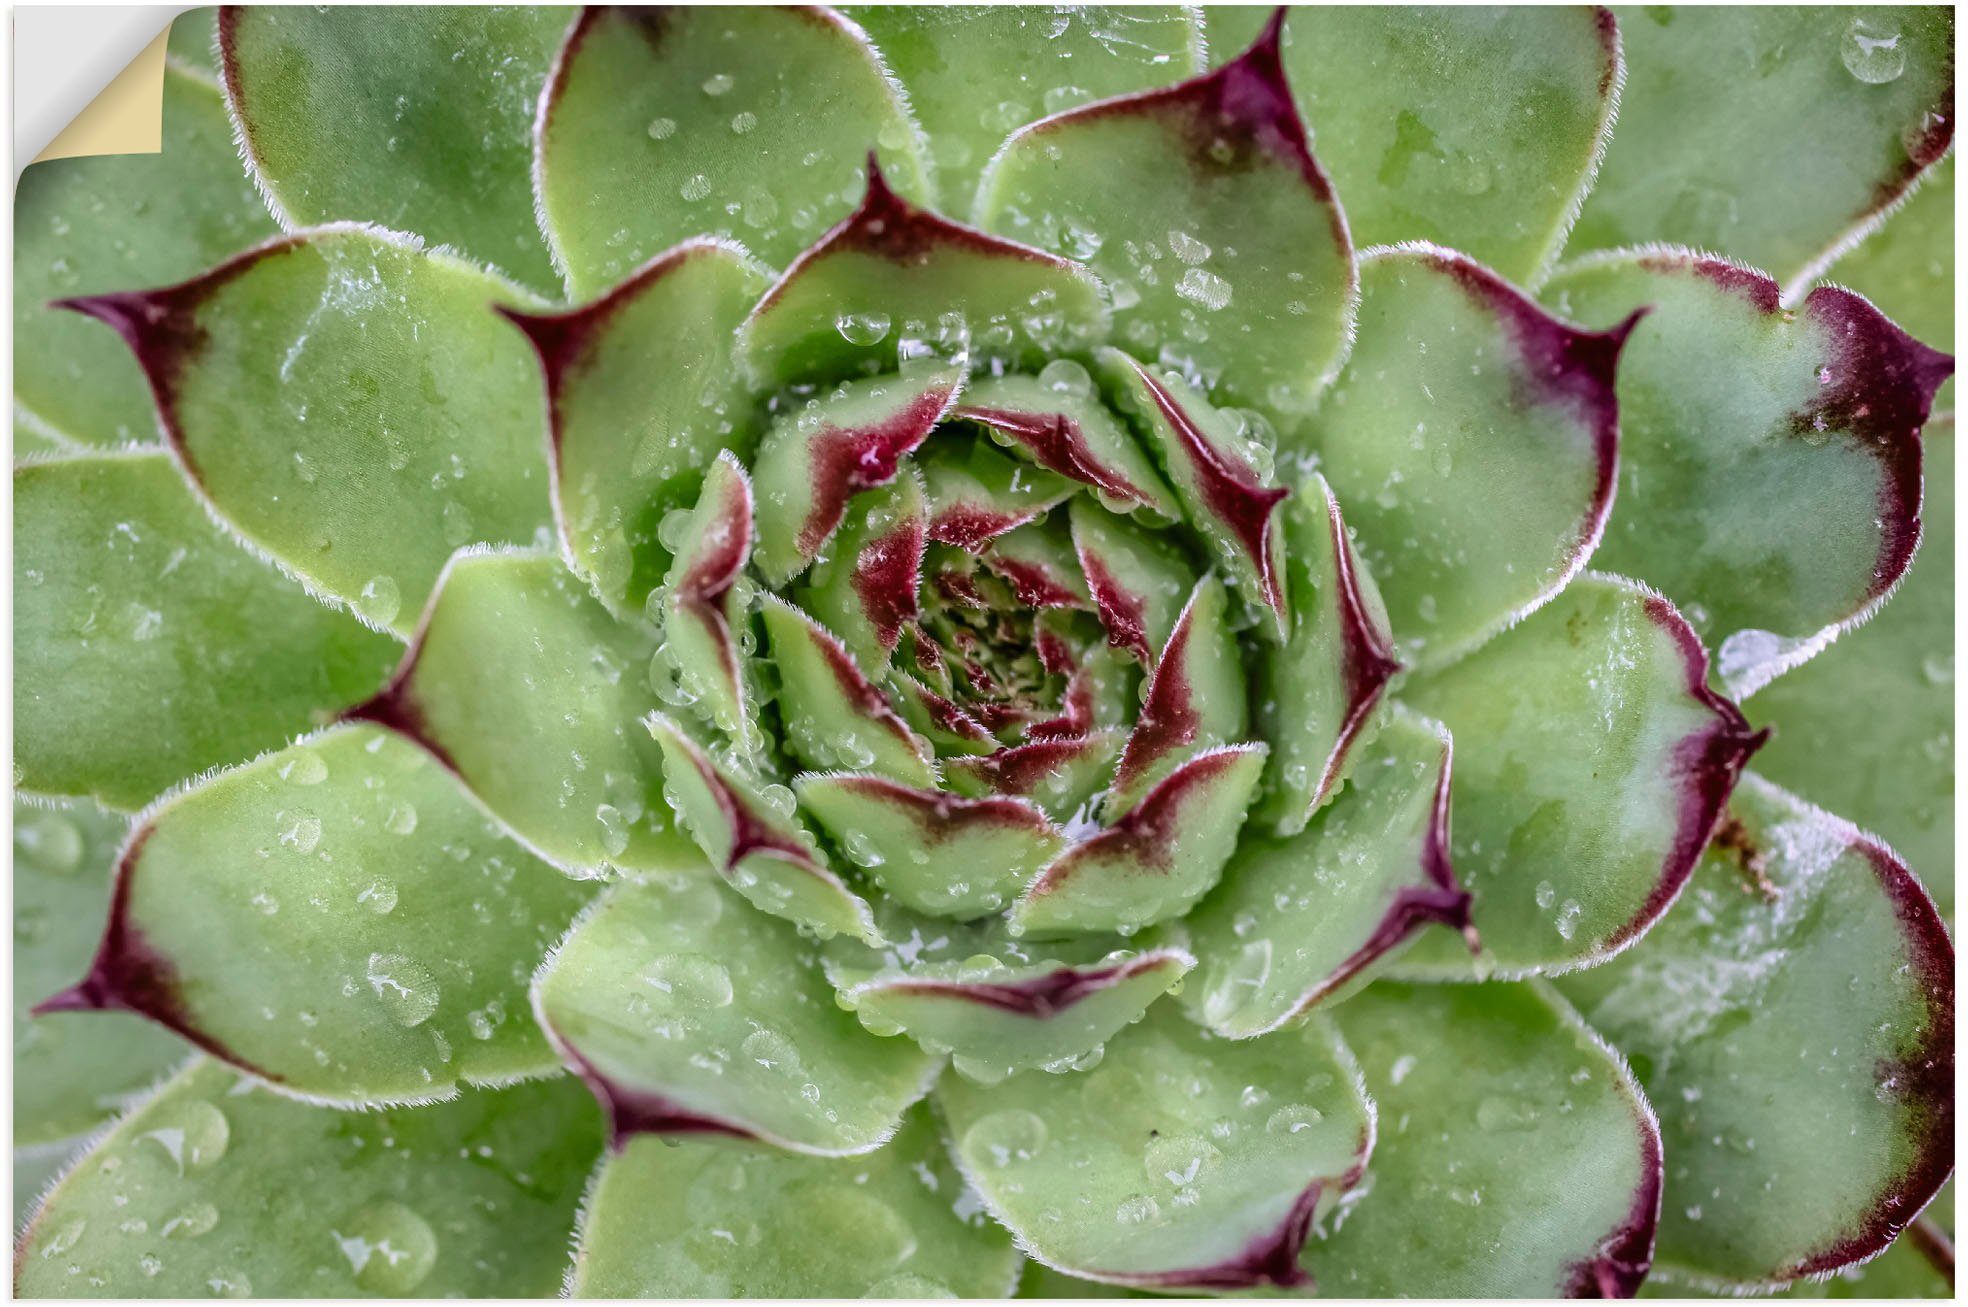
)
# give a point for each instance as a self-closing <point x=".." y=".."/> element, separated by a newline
<point x="1156" y="860"/>
<point x="194" y="41"/>
<point x="1000" y="1006"/>
<point x="420" y="120"/>
<point x="1481" y="480"/>
<point x="381" y="930"/>
<point x="148" y="646"/>
<point x="1516" y="1156"/>
<point x="562" y="762"/>
<point x="948" y="728"/>
<point x="976" y="494"/>
<point x="87" y="226"/>
<point x="892" y="282"/>
<point x="1794" y="1019"/>
<point x="1299" y="921"/>
<point x="218" y="1188"/>
<point x="747" y="828"/>
<point x="1864" y="727"/>
<point x="1060" y="775"/>
<point x="1055" y="420"/>
<point x="1770" y="460"/>
<point x="1140" y="583"/>
<point x="702" y="608"/>
<point x="1775" y="136"/>
<point x="865" y="584"/>
<point x="940" y="854"/>
<point x="1194" y="700"/>
<point x="1222" y="473"/>
<point x="1179" y="1162"/>
<point x="653" y="121"/>
<point x="1591" y="762"/>
<point x="976" y="73"/>
<point x="832" y="714"/>
<point x="1479" y="128"/>
<point x="694" y="1220"/>
<point x="1223" y="248"/>
<point x="34" y="438"/>
<point x="346" y="401"/>
<point x="71" y="1072"/>
<point x="690" y="1013"/>
<point x="815" y="458"/>
<point x="1919" y="1264"/>
<point x="642" y="394"/>
<point x="36" y="1169"/>
<point x="1323" y="685"/>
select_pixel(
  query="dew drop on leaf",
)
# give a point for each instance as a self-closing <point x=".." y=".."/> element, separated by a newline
<point x="379" y="600"/>
<point x="389" y="1247"/>
<point x="404" y="986"/>
<point x="1002" y="1138"/>
<point x="1872" y="51"/>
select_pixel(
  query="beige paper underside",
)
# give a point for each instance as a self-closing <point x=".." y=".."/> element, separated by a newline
<point x="127" y="118"/>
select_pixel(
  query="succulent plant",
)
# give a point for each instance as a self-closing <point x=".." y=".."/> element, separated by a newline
<point x="911" y="653"/>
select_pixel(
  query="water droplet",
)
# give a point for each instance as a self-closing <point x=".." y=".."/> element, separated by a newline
<point x="379" y="600"/>
<point x="1180" y="1161"/>
<point x="744" y="122"/>
<point x="401" y="818"/>
<point x="1497" y="1113"/>
<point x="614" y="830"/>
<point x="390" y="1248"/>
<point x="907" y="1285"/>
<point x="695" y="187"/>
<point x="718" y="84"/>
<point x="49" y="840"/>
<point x="303" y="767"/>
<point x="1002" y="1138"/>
<point x="379" y="897"/>
<point x="768" y="1048"/>
<point x="1938" y="668"/>
<point x="1872" y="51"/>
<point x="1137" y="1209"/>
<point x="299" y="830"/>
<point x="862" y="328"/>
<point x="691" y="979"/>
<point x="1065" y="377"/>
<point x="195" y="1220"/>
<point x="404" y="986"/>
<point x="193" y="1135"/>
<point x="64" y="1237"/>
<point x="1295" y="1118"/>
<point x="229" y="1282"/>
<point x="1200" y="286"/>
<point x="662" y="129"/>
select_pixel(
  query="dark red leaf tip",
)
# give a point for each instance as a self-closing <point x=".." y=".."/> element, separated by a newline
<point x="1039" y="997"/>
<point x="1626" y="1254"/>
<point x="848" y="460"/>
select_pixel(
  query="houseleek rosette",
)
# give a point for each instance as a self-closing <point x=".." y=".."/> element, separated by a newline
<point x="1079" y="732"/>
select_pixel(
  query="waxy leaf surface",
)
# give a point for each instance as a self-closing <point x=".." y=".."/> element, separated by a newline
<point x="148" y="646"/>
<point x="1516" y="1154"/>
<point x="694" y="1220"/>
<point x="217" y="1187"/>
<point x="419" y="120"/>
<point x="382" y="929"/>
<point x="690" y="1012"/>
<point x="1793" y="1018"/>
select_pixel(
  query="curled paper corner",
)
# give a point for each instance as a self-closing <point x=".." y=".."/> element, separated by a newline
<point x="88" y="80"/>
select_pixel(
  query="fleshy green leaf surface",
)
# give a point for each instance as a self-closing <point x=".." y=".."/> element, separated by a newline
<point x="1473" y="438"/>
<point x="693" y="1220"/>
<point x="977" y="494"/>
<point x="1919" y="1264"/>
<point x="942" y="854"/>
<point x="832" y="714"/>
<point x="1769" y="460"/>
<point x="1771" y="135"/>
<point x="999" y="1006"/>
<point x="1516" y="1155"/>
<point x="1222" y="474"/>
<point x="520" y="684"/>
<point x="1139" y="582"/>
<point x="419" y="120"/>
<point x="654" y="120"/>
<point x="1157" y="859"/>
<point x="1907" y="268"/>
<point x="865" y="585"/>
<point x="1322" y="687"/>
<point x="357" y="444"/>
<point x="1479" y="128"/>
<point x="380" y="929"/>
<point x="1179" y="1162"/>
<point x="148" y="646"/>
<point x="892" y="281"/>
<point x="1865" y="728"/>
<point x="1055" y="420"/>
<point x="976" y="73"/>
<point x="1195" y="699"/>
<point x="1059" y="775"/>
<point x="642" y="393"/>
<point x="92" y="225"/>
<point x="35" y="1171"/>
<point x="1794" y="1019"/>
<point x="753" y="839"/>
<point x="1299" y="921"/>
<point x="72" y="1072"/>
<point x="688" y="1012"/>
<point x="193" y="42"/>
<point x="703" y="609"/>
<point x="1591" y="761"/>
<point x="817" y="457"/>
<point x="1200" y="206"/>
<point x="218" y="1188"/>
<point x="34" y="438"/>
